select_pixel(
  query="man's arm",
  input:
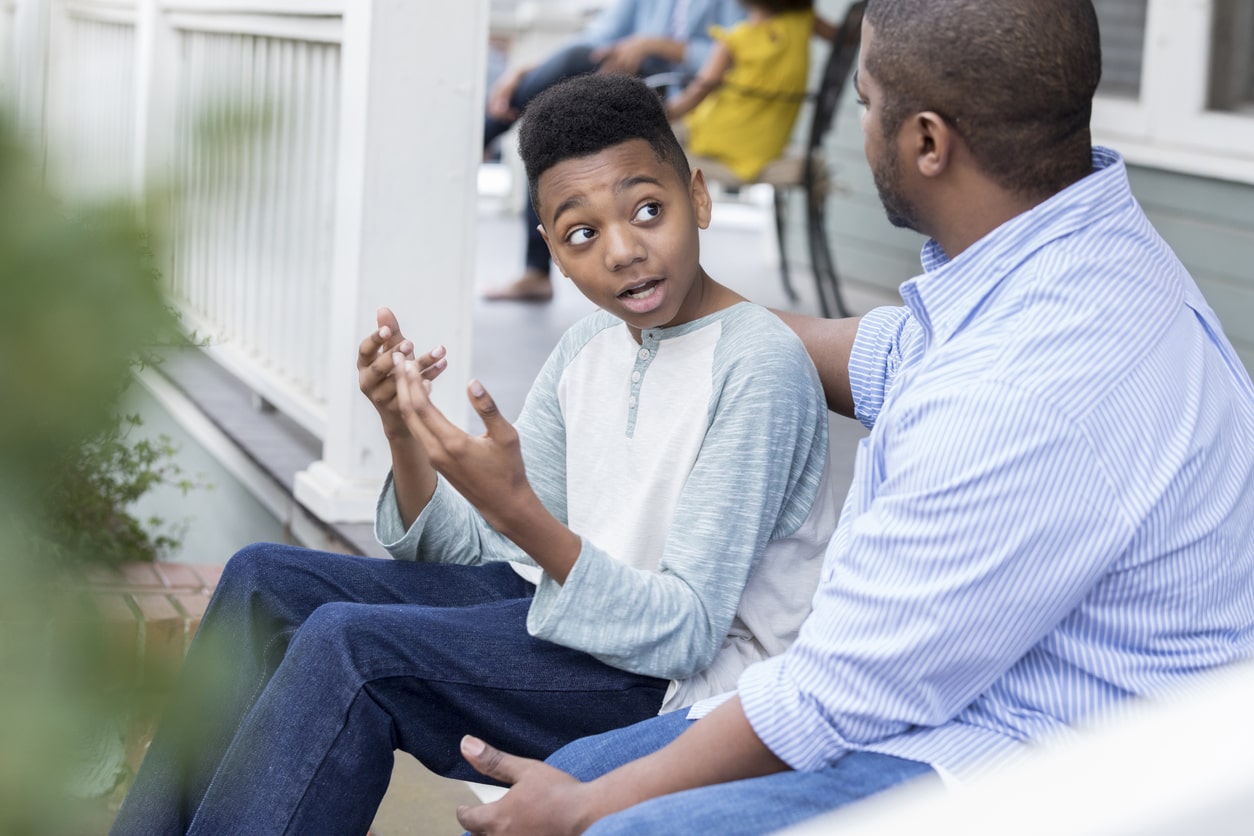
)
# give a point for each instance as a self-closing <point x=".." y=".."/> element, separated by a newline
<point x="612" y="24"/>
<point x="626" y="55"/>
<point x="720" y="747"/>
<point x="829" y="343"/>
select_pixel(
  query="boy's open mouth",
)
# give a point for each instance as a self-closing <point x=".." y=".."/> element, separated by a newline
<point x="641" y="291"/>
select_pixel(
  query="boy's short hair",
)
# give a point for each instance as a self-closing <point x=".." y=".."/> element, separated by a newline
<point x="585" y="115"/>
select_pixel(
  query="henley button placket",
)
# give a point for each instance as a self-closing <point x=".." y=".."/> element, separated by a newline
<point x="648" y="350"/>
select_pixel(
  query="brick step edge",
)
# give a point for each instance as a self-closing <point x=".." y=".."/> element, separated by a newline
<point x="150" y="612"/>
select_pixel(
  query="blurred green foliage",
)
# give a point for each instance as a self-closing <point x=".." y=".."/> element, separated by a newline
<point x="80" y="306"/>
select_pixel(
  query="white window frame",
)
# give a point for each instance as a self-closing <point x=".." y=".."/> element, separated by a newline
<point x="1169" y="126"/>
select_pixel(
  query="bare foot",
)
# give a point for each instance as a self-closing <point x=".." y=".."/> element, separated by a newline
<point x="532" y="287"/>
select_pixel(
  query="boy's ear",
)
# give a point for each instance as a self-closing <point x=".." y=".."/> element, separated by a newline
<point x="552" y="254"/>
<point x="700" y="196"/>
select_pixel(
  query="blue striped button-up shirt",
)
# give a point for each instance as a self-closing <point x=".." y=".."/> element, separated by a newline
<point x="1054" y="510"/>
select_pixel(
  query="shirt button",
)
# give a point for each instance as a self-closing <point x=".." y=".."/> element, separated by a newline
<point x="632" y="401"/>
<point x="635" y="377"/>
<point x="644" y="354"/>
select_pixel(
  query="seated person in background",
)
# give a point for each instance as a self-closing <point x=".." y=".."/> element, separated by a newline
<point x="740" y="108"/>
<point x="1052" y="513"/>
<point x="634" y="37"/>
<point x="652" y="526"/>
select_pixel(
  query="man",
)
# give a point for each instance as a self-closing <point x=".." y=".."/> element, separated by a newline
<point x="1052" y="512"/>
<point x="634" y="37"/>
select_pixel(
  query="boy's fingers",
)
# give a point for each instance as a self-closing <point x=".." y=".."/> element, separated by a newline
<point x="429" y="419"/>
<point x="411" y="399"/>
<point x="387" y="319"/>
<point x="377" y="345"/>
<point x="368" y="351"/>
<point x="433" y="362"/>
<point x="432" y="371"/>
<point x="493" y="421"/>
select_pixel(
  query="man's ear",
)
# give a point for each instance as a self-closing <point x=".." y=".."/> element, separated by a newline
<point x="552" y="254"/>
<point x="700" y="195"/>
<point x="929" y="140"/>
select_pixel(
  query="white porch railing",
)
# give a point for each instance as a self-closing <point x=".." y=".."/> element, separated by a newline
<point x="315" y="159"/>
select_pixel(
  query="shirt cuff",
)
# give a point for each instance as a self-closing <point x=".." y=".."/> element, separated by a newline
<point x="560" y="612"/>
<point x="873" y="360"/>
<point x="389" y="528"/>
<point x="783" y="719"/>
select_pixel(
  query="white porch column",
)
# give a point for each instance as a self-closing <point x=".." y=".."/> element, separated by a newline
<point x="30" y="69"/>
<point x="409" y="149"/>
<point x="154" y="98"/>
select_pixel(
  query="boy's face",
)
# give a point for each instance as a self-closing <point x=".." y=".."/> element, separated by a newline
<point x="622" y="225"/>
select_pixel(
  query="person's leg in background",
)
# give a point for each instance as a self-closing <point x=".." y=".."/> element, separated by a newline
<point x="266" y="592"/>
<point x="534" y="284"/>
<point x="566" y="63"/>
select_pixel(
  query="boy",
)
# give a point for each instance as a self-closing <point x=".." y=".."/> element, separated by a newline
<point x="680" y="433"/>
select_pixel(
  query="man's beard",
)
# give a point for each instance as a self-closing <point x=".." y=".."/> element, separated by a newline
<point x="887" y="175"/>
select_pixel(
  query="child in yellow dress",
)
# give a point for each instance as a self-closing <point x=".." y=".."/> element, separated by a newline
<point x="741" y="106"/>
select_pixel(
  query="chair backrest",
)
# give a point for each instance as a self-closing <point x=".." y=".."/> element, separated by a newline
<point x="840" y="63"/>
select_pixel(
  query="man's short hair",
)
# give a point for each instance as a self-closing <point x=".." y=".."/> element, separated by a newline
<point x="1015" y="78"/>
<point x="585" y="115"/>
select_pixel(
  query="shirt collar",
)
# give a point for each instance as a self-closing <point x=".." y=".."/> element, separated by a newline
<point x="943" y="298"/>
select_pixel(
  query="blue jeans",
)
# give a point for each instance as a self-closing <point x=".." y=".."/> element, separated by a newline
<point x="568" y="62"/>
<point x="739" y="808"/>
<point x="310" y="669"/>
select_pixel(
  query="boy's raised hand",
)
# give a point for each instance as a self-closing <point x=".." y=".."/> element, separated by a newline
<point x="488" y="469"/>
<point x="376" y="370"/>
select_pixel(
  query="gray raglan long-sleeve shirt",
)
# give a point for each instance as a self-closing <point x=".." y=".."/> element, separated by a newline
<point x="693" y="466"/>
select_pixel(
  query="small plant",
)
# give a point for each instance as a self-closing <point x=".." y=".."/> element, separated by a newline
<point x="98" y="481"/>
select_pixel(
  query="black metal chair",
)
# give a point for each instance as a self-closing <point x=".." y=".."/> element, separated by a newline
<point x="804" y="167"/>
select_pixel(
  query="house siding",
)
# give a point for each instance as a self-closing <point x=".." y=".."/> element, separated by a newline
<point x="1209" y="223"/>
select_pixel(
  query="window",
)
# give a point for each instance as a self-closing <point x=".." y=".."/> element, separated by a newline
<point x="1123" y="45"/>
<point x="1178" y="85"/>
<point x="1232" y="61"/>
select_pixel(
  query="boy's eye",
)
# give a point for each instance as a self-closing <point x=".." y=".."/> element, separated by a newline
<point x="648" y="212"/>
<point x="580" y="235"/>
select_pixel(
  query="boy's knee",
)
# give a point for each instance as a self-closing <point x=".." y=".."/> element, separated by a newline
<point x="253" y="566"/>
<point x="334" y="631"/>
